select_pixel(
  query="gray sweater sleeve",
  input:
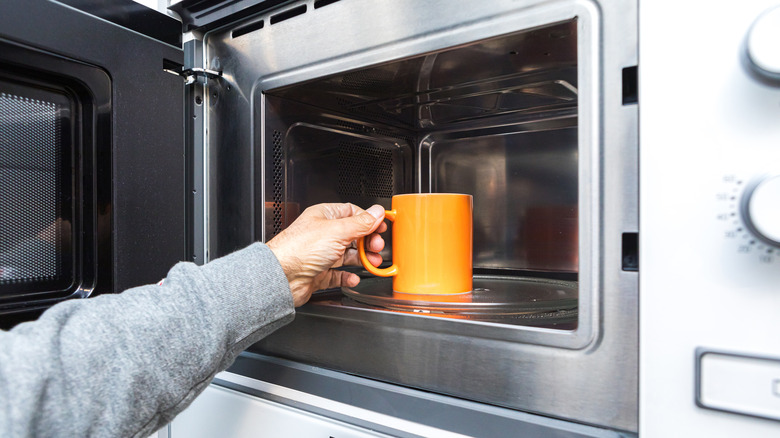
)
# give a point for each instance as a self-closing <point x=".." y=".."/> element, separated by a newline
<point x="124" y="365"/>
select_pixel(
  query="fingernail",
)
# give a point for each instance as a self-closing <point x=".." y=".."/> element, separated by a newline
<point x="377" y="211"/>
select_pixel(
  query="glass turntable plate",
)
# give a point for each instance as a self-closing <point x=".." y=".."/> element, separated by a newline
<point x="492" y="296"/>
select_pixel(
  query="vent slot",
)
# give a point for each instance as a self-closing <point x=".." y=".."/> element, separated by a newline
<point x="322" y="3"/>
<point x="630" y="85"/>
<point x="631" y="252"/>
<point x="290" y="13"/>
<point x="249" y="28"/>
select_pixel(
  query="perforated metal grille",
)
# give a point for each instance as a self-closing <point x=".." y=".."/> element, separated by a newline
<point x="365" y="170"/>
<point x="362" y="86"/>
<point x="29" y="194"/>
<point x="367" y="80"/>
<point x="278" y="190"/>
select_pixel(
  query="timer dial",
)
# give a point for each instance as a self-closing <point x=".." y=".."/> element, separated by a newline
<point x="763" y="53"/>
<point x="761" y="209"/>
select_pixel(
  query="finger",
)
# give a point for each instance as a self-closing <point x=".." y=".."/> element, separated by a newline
<point x="374" y="258"/>
<point x="377" y="212"/>
<point x="340" y="211"/>
<point x="347" y="210"/>
<point x="350" y="228"/>
<point x="375" y="243"/>
<point x="350" y="280"/>
<point x="331" y="210"/>
<point x="334" y="278"/>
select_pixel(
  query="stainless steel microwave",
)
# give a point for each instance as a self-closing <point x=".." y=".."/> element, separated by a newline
<point x="530" y="108"/>
<point x="544" y="111"/>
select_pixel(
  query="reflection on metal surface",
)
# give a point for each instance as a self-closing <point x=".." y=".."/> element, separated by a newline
<point x="513" y="300"/>
<point x="550" y="237"/>
<point x="524" y="179"/>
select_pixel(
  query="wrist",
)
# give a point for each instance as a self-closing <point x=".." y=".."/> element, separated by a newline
<point x="291" y="266"/>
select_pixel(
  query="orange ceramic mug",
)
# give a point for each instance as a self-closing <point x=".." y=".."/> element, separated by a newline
<point x="432" y="244"/>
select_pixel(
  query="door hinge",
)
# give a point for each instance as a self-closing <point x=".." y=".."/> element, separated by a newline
<point x="192" y="75"/>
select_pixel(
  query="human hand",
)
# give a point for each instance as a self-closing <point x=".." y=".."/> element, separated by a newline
<point x="323" y="238"/>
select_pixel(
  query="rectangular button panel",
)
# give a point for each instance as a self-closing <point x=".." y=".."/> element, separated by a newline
<point x="740" y="384"/>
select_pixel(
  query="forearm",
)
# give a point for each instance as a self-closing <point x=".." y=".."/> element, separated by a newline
<point x="122" y="365"/>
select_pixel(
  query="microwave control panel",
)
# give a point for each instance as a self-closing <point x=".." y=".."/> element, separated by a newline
<point x="709" y="249"/>
<point x="751" y="205"/>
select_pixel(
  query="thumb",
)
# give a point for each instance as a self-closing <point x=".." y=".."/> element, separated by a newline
<point x="364" y="223"/>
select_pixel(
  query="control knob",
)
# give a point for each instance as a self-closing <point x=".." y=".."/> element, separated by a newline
<point x="762" y="46"/>
<point x="761" y="209"/>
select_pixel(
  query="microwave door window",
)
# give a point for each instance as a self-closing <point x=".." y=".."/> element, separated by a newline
<point x="36" y="191"/>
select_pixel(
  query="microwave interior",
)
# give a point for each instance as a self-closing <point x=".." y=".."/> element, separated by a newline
<point x="495" y="118"/>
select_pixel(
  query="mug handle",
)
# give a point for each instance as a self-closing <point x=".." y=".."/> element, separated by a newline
<point x="386" y="272"/>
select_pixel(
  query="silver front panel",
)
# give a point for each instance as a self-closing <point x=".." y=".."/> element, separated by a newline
<point x="588" y="374"/>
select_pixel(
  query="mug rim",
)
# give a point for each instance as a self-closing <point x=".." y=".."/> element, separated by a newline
<point x="431" y="194"/>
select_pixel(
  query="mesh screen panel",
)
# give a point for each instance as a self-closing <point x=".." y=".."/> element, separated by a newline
<point x="365" y="170"/>
<point x="278" y="172"/>
<point x="30" y="192"/>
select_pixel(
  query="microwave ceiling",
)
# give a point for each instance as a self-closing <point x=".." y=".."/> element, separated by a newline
<point x="532" y="72"/>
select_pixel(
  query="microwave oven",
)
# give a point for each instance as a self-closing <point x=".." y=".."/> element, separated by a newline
<point x="589" y="137"/>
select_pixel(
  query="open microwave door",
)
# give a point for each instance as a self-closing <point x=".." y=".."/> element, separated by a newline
<point x="92" y="175"/>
